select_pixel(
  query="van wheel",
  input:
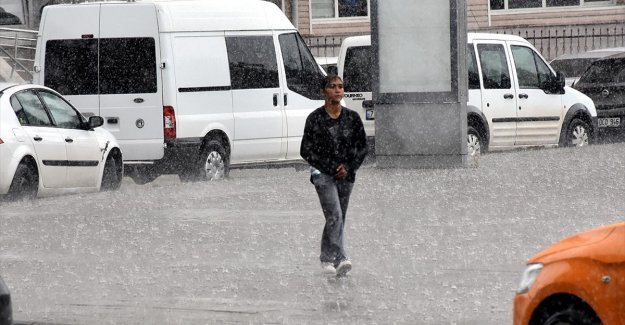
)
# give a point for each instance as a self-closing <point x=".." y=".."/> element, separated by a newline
<point x="474" y="142"/>
<point x="213" y="164"/>
<point x="112" y="174"/>
<point x="577" y="134"/>
<point x="25" y="183"/>
<point x="142" y="174"/>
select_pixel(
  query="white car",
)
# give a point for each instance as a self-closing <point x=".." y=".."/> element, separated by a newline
<point x="47" y="147"/>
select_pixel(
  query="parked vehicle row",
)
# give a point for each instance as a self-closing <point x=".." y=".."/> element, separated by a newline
<point x="515" y="99"/>
<point x="187" y="87"/>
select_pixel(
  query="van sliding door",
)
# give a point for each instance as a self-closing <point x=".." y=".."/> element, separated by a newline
<point x="256" y="98"/>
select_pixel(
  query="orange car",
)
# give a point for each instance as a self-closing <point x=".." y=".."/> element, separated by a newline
<point x="579" y="280"/>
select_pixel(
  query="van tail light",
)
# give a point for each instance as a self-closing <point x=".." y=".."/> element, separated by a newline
<point x="1" y="142"/>
<point x="169" y="122"/>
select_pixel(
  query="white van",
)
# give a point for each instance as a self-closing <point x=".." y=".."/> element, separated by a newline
<point x="187" y="87"/>
<point x="515" y="98"/>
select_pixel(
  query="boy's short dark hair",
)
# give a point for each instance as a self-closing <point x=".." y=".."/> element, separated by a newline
<point x="327" y="80"/>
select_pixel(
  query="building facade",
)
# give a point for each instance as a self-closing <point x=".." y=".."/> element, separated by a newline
<point x="554" y="26"/>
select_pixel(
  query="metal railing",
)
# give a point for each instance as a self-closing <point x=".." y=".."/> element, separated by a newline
<point x="555" y="42"/>
<point x="550" y="41"/>
<point x="17" y="54"/>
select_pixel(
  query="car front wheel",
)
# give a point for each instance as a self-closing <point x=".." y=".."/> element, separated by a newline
<point x="474" y="142"/>
<point x="577" y="134"/>
<point x="112" y="175"/>
<point x="569" y="311"/>
<point x="25" y="183"/>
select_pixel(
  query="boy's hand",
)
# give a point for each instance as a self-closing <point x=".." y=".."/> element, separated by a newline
<point x="341" y="172"/>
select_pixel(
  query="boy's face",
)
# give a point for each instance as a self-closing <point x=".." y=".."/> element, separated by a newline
<point x="334" y="91"/>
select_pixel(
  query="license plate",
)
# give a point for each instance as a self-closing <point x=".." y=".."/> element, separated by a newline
<point x="370" y="114"/>
<point x="609" y="122"/>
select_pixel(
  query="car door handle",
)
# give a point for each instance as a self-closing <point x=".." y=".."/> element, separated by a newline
<point x="69" y="140"/>
<point x="275" y="100"/>
<point x="285" y="99"/>
<point x="111" y="120"/>
<point x="524" y="96"/>
<point x="37" y="138"/>
<point x="508" y="96"/>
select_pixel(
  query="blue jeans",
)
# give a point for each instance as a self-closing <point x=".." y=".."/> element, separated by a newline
<point x="334" y="198"/>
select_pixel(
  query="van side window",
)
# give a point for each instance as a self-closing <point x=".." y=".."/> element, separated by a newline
<point x="495" y="71"/>
<point x="302" y="71"/>
<point x="474" y="75"/>
<point x="131" y="71"/>
<point x="71" y="66"/>
<point x="253" y="62"/>
<point x="531" y="70"/>
<point x="357" y="72"/>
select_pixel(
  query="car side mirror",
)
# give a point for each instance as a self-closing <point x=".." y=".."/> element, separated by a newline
<point x="332" y="70"/>
<point x="555" y="84"/>
<point x="560" y="80"/>
<point x="95" y="121"/>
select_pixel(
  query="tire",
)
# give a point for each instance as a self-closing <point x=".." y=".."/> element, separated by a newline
<point x="475" y="142"/>
<point x="212" y="164"/>
<point x="25" y="184"/>
<point x="142" y="175"/>
<point x="577" y="134"/>
<point x="112" y="174"/>
<point x="572" y="311"/>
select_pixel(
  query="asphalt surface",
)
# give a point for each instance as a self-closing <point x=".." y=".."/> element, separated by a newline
<point x="428" y="246"/>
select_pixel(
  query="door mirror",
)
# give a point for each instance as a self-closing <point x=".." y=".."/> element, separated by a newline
<point x="95" y="121"/>
<point x="332" y="70"/>
<point x="556" y="84"/>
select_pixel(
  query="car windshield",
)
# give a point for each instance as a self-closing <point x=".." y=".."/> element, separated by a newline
<point x="572" y="67"/>
<point x="605" y="71"/>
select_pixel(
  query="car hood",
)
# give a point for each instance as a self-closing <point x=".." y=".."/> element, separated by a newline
<point x="605" y="244"/>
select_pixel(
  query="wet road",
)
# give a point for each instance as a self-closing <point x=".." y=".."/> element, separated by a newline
<point x="428" y="246"/>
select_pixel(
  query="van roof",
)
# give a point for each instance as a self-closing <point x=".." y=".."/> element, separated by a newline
<point x="366" y="39"/>
<point x="213" y="15"/>
<point x="495" y="37"/>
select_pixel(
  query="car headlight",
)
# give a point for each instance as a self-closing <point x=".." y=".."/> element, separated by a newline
<point x="529" y="276"/>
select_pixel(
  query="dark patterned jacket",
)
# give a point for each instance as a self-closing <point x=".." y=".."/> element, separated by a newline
<point x="325" y="151"/>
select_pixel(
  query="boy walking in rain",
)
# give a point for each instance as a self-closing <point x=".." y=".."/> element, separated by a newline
<point x="335" y="145"/>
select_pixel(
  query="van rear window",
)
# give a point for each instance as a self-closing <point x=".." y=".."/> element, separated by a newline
<point x="357" y="72"/>
<point x="71" y="66"/>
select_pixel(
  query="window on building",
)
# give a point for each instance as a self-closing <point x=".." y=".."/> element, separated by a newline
<point x="11" y="12"/>
<point x="522" y="4"/>
<point x="339" y="8"/>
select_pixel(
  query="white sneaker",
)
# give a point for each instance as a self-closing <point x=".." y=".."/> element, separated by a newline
<point x="328" y="268"/>
<point x="344" y="267"/>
